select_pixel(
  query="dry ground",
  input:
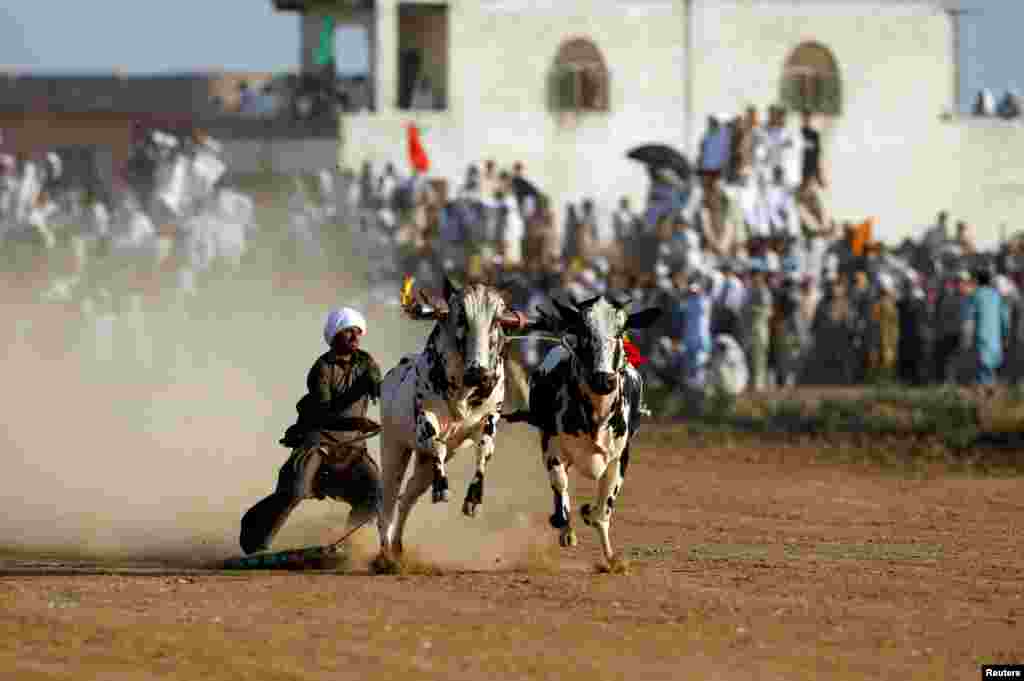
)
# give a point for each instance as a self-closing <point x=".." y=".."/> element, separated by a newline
<point x="751" y="562"/>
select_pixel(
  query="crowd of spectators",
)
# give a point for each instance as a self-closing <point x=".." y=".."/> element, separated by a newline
<point x="762" y="289"/>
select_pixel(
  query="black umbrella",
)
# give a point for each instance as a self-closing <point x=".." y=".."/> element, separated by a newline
<point x="661" y="156"/>
<point x="523" y="188"/>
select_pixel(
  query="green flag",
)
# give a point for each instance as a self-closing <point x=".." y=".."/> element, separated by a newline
<point x="325" y="48"/>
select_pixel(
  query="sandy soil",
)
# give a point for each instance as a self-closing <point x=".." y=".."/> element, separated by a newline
<point x="746" y="563"/>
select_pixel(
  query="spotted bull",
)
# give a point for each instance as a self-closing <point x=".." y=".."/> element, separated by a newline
<point x="433" y="402"/>
<point x="586" y="399"/>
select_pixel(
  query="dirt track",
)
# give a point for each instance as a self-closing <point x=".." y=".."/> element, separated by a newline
<point x="746" y="564"/>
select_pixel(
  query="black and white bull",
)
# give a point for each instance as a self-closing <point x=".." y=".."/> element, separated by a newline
<point x="434" y="402"/>
<point x="586" y="399"/>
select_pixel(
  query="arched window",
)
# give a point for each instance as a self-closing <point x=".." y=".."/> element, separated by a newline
<point x="810" y="81"/>
<point x="579" y="78"/>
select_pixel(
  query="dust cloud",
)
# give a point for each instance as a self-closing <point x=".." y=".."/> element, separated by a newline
<point x="119" y="459"/>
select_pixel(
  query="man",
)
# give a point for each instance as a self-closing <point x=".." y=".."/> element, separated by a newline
<point x="624" y="221"/>
<point x="989" y="319"/>
<point x="490" y="183"/>
<point x="936" y="236"/>
<point x="783" y="149"/>
<point x="715" y="150"/>
<point x="862" y="299"/>
<point x="694" y="332"/>
<point x="757" y="314"/>
<point x="727" y="307"/>
<point x="595" y="235"/>
<point x="512" y="229"/>
<point x="781" y="207"/>
<point x="915" y="333"/>
<point x="718" y="222"/>
<point x="948" y="325"/>
<point x="329" y="456"/>
<point x="965" y="238"/>
<point x="832" y="331"/>
<point x="727" y="370"/>
<point x="884" y="336"/>
<point x="812" y="174"/>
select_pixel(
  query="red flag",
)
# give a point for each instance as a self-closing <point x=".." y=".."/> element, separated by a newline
<point x="417" y="155"/>
<point x="633" y="355"/>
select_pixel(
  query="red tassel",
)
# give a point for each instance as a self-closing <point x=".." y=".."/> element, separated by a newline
<point x="633" y="355"/>
<point x="417" y="154"/>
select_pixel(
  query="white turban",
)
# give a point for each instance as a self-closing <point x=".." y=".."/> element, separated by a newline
<point x="342" y="319"/>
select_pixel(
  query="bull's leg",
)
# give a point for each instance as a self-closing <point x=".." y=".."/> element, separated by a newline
<point x="428" y="445"/>
<point x="485" y="449"/>
<point x="600" y="515"/>
<point x="561" y="519"/>
<point x="439" y="482"/>
<point x="394" y="459"/>
<point x="422" y="477"/>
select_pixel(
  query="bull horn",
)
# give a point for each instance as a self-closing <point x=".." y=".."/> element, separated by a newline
<point x="514" y="320"/>
<point x="568" y="314"/>
<point x="621" y="302"/>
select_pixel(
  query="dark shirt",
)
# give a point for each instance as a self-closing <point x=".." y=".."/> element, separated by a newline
<point x="642" y="251"/>
<point x="340" y="391"/>
<point x="812" y="154"/>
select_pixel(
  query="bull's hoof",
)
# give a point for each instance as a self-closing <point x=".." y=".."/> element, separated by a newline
<point x="616" y="565"/>
<point x="440" y="490"/>
<point x="567" y="538"/>
<point x="384" y="564"/>
<point x="585" y="512"/>
<point x="469" y="508"/>
<point x="558" y="521"/>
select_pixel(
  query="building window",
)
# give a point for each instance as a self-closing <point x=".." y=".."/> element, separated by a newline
<point x="810" y="81"/>
<point x="422" y="57"/>
<point x="579" y="78"/>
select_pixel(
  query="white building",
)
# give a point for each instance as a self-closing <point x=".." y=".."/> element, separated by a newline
<point x="568" y="86"/>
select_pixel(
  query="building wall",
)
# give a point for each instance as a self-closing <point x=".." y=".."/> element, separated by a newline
<point x="894" y="152"/>
<point x="246" y="156"/>
<point x="501" y="52"/>
<point x="34" y="134"/>
<point x="429" y="34"/>
<point x="888" y="154"/>
<point x="226" y="86"/>
<point x="989" y="188"/>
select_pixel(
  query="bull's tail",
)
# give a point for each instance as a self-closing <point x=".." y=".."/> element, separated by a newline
<point x="519" y="416"/>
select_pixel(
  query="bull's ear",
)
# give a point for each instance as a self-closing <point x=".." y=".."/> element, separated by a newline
<point x="569" y="315"/>
<point x="450" y="289"/>
<point x="643" y="319"/>
<point x="620" y="302"/>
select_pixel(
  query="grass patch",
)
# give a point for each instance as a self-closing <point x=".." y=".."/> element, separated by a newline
<point x="893" y="552"/>
<point x="760" y="553"/>
<point x="892" y="422"/>
<point x="650" y="552"/>
<point x="747" y="552"/>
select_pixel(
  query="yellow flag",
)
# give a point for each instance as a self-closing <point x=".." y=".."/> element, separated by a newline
<point x="406" y="296"/>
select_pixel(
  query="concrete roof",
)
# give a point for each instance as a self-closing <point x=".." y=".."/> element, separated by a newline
<point x="171" y="94"/>
<point x="305" y="5"/>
